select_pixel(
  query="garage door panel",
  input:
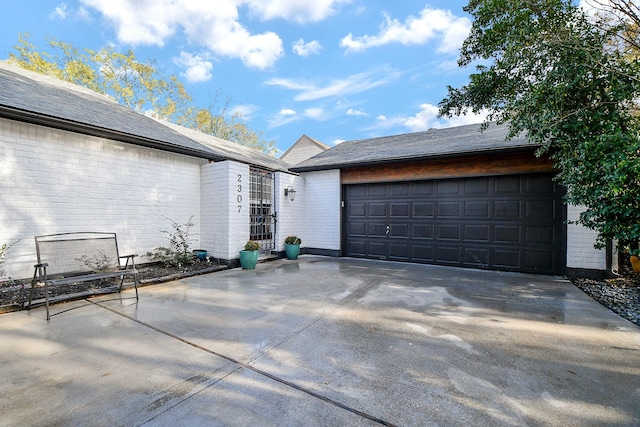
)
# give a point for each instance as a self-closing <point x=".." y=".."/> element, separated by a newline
<point x="423" y="231"/>
<point x="357" y="209"/>
<point x="377" y="230"/>
<point x="357" y="248"/>
<point x="449" y="186"/>
<point x="399" y="252"/>
<point x="506" y="210"/>
<point x="357" y="229"/>
<point x="400" y="210"/>
<point x="422" y="253"/>
<point x="505" y="185"/>
<point x="505" y="222"/>
<point x="540" y="234"/>
<point x="538" y="184"/>
<point x="447" y="255"/>
<point x="476" y="187"/>
<point x="377" y="250"/>
<point x="540" y="210"/>
<point x="449" y="210"/>
<point x="399" y="231"/>
<point x="377" y="190"/>
<point x="539" y="260"/>
<point x="506" y="234"/>
<point x="421" y="209"/>
<point x="448" y="232"/>
<point x="476" y="209"/>
<point x="477" y="232"/>
<point x="507" y="259"/>
<point x="377" y="210"/>
<point x="478" y="257"/>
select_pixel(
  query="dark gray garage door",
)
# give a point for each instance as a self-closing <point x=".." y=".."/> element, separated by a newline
<point x="510" y="223"/>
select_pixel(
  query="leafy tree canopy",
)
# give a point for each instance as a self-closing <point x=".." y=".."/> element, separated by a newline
<point x="140" y="86"/>
<point x="556" y="74"/>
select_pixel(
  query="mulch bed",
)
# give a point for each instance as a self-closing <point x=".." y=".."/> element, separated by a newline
<point x="14" y="295"/>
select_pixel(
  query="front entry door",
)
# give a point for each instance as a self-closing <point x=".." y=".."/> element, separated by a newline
<point x="263" y="217"/>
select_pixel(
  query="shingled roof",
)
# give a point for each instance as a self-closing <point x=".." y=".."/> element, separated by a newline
<point x="433" y="143"/>
<point x="44" y="100"/>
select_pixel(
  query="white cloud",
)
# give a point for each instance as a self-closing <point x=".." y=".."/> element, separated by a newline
<point x="315" y="114"/>
<point x="338" y="141"/>
<point x="60" y="12"/>
<point x="244" y="110"/>
<point x="306" y="49"/>
<point x="431" y="24"/>
<point x="301" y="11"/>
<point x="198" y="67"/>
<point x="283" y="117"/>
<point x="215" y="25"/>
<point x="355" y="83"/>
<point x="426" y="118"/>
<point x="352" y="112"/>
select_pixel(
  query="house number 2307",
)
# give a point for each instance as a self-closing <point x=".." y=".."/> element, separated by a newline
<point x="239" y="196"/>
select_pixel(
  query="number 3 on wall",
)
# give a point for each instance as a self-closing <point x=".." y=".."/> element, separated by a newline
<point x="239" y="197"/>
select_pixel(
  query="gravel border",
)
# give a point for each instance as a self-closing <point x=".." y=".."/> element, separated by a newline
<point x="620" y="295"/>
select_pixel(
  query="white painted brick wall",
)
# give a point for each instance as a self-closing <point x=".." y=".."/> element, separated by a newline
<point x="580" y="241"/>
<point x="322" y="209"/>
<point x="225" y="208"/>
<point x="53" y="181"/>
<point x="291" y="214"/>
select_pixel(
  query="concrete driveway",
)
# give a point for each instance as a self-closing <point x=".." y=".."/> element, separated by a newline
<point x="325" y="341"/>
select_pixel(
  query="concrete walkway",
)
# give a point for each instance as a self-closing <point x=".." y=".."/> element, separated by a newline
<point x="325" y="342"/>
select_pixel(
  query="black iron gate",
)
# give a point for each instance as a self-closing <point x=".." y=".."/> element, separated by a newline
<point x="263" y="217"/>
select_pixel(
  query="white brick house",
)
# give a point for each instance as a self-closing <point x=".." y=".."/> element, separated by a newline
<point x="72" y="160"/>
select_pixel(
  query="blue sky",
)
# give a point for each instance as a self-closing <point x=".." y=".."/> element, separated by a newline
<point x="335" y="70"/>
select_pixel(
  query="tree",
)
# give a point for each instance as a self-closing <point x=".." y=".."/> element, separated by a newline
<point x="138" y="85"/>
<point x="554" y="75"/>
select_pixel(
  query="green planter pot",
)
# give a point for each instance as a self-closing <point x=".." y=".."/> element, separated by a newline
<point x="249" y="259"/>
<point x="292" y="251"/>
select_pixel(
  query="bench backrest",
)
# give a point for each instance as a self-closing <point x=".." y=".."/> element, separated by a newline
<point x="78" y="253"/>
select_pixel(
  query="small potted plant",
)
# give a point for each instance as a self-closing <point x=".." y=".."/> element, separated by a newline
<point x="292" y="246"/>
<point x="249" y="256"/>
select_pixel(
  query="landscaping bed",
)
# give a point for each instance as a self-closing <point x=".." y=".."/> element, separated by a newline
<point x="14" y="295"/>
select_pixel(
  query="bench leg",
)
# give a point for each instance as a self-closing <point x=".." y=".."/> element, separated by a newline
<point x="135" y="283"/>
<point x="46" y="298"/>
<point x="33" y="285"/>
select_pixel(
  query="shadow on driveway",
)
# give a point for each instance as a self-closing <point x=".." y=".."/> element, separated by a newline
<point x="326" y="341"/>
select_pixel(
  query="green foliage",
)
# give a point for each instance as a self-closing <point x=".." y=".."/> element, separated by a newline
<point x="292" y="240"/>
<point x="554" y="76"/>
<point x="4" y="278"/>
<point x="252" y="245"/>
<point x="140" y="86"/>
<point x="98" y="263"/>
<point x="178" y="253"/>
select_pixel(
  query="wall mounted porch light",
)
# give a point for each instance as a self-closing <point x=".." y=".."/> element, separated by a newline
<point x="290" y="192"/>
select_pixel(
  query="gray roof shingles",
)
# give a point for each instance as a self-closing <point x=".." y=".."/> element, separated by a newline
<point x="41" y="99"/>
<point x="433" y="143"/>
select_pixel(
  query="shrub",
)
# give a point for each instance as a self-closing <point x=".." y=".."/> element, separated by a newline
<point x="178" y="253"/>
<point x="292" y="240"/>
<point x="252" y="245"/>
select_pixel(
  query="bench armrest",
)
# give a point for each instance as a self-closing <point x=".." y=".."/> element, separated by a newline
<point x="129" y="258"/>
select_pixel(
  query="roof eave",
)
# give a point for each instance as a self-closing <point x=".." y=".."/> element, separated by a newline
<point x="347" y="165"/>
<point x="86" y="129"/>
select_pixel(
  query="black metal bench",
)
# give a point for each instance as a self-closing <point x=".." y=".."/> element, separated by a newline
<point x="79" y="257"/>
